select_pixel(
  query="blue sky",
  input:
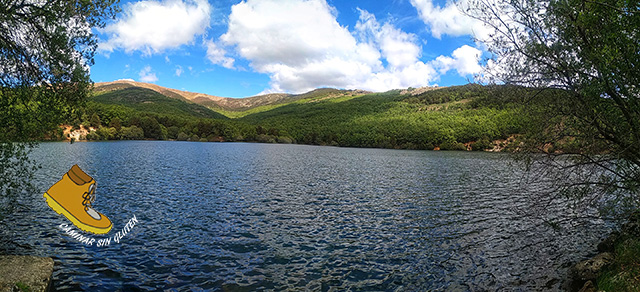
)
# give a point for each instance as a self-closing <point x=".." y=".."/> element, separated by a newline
<point x="244" y="48"/>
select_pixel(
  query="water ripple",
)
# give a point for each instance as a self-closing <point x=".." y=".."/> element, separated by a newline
<point x="245" y="217"/>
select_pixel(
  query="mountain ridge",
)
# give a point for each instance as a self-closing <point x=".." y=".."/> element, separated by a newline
<point x="224" y="103"/>
<point x="465" y="117"/>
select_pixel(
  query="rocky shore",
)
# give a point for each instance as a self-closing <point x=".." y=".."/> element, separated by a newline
<point x="25" y="273"/>
<point x="584" y="274"/>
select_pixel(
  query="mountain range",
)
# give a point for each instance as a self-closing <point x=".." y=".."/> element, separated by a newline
<point x="222" y="103"/>
<point x="454" y="117"/>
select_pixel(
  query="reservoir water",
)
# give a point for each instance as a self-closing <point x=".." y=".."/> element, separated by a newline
<point x="262" y="217"/>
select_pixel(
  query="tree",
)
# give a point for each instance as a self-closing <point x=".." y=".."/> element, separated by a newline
<point x="132" y="133"/>
<point x="152" y="129"/>
<point x="95" y="121"/>
<point x="588" y="51"/>
<point x="172" y="132"/>
<point x="45" y="50"/>
<point x="115" y="123"/>
<point x="182" y="136"/>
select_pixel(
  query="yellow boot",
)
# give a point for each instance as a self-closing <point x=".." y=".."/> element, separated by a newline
<point x="72" y="197"/>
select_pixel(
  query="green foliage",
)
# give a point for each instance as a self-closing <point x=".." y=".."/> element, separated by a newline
<point x="103" y="133"/>
<point x="182" y="136"/>
<point x="149" y="101"/>
<point x="624" y="274"/>
<point x="95" y="121"/>
<point x="482" y="144"/>
<point x="589" y="50"/>
<point x="262" y="138"/>
<point x="44" y="60"/>
<point x="444" y="118"/>
<point x="16" y="173"/>
<point x="448" y="94"/>
<point x="392" y="120"/>
<point x="115" y="123"/>
<point x="23" y="287"/>
<point x="152" y="129"/>
<point x="132" y="133"/>
<point x="172" y="132"/>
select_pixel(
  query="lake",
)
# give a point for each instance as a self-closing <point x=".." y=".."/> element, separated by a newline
<point x="259" y="217"/>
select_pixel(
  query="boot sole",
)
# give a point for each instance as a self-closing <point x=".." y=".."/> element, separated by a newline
<point x="60" y="210"/>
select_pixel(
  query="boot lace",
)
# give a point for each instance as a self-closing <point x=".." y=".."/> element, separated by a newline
<point x="89" y="197"/>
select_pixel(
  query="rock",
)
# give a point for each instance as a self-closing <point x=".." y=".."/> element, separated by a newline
<point x="608" y="244"/>
<point x="590" y="269"/>
<point x="588" y="287"/>
<point x="19" y="273"/>
<point x="632" y="227"/>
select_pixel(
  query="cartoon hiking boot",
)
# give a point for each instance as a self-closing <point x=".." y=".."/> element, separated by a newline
<point x="72" y="197"/>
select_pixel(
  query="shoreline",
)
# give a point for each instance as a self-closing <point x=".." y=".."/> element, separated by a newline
<point x="603" y="269"/>
<point x="25" y="273"/>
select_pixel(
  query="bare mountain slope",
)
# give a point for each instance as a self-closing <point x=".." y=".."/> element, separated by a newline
<point x="224" y="103"/>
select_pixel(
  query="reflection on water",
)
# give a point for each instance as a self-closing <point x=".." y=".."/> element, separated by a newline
<point x="238" y="217"/>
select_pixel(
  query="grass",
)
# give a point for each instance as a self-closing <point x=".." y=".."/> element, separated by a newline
<point x="624" y="274"/>
<point x="23" y="287"/>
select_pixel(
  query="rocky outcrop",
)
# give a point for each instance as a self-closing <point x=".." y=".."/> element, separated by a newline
<point x="588" y="287"/>
<point x="78" y="134"/>
<point x="588" y="270"/>
<point x="583" y="275"/>
<point x="25" y="273"/>
<point x="418" y="91"/>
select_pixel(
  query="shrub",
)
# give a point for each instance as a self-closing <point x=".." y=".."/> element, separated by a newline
<point x="182" y="136"/>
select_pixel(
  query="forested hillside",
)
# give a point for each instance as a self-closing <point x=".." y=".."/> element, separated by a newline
<point x="443" y="118"/>
<point x="453" y="118"/>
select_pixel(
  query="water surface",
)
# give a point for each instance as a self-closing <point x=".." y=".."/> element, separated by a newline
<point x="244" y="217"/>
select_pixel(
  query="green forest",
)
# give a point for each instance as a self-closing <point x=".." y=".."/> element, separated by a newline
<point x="469" y="117"/>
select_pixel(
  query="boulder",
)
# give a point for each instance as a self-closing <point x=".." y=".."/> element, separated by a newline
<point x="588" y="287"/>
<point x="25" y="273"/>
<point x="590" y="269"/>
<point x="608" y="244"/>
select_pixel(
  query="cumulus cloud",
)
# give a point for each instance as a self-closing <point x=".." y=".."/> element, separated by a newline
<point x="217" y="55"/>
<point x="449" y="20"/>
<point x="147" y="76"/>
<point x="301" y="46"/>
<point x="464" y="60"/>
<point x="397" y="47"/>
<point x="179" y="70"/>
<point x="153" y="26"/>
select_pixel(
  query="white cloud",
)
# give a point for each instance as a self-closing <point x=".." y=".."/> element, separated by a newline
<point x="153" y="26"/>
<point x="397" y="47"/>
<point x="449" y="19"/>
<point x="147" y="76"/>
<point x="217" y="55"/>
<point x="179" y="70"/>
<point x="301" y="46"/>
<point x="465" y="61"/>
